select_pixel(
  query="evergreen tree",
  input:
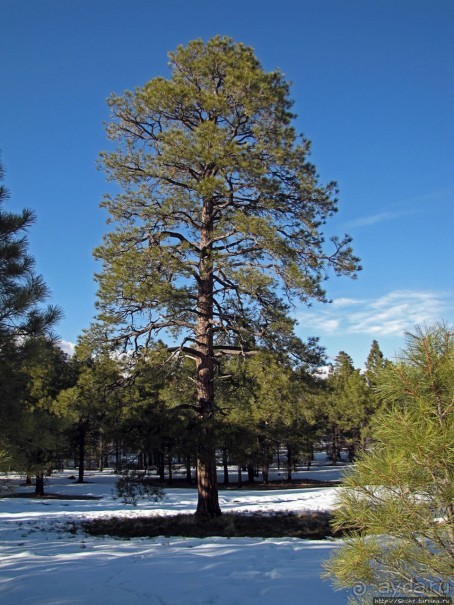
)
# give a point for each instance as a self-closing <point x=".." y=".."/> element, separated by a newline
<point x="268" y="399"/>
<point x="21" y="291"/>
<point x="22" y="316"/>
<point x="88" y="400"/>
<point x="39" y="442"/>
<point x="219" y="222"/>
<point x="398" y="501"/>
<point x="346" y="409"/>
<point x="158" y="414"/>
<point x="374" y="364"/>
<point x="343" y="368"/>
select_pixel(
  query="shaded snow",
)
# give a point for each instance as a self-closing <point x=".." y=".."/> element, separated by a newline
<point x="42" y="563"/>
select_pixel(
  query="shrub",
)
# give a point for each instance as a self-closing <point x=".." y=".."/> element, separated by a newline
<point x="134" y="485"/>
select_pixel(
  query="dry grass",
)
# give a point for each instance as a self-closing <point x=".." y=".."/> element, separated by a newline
<point x="309" y="525"/>
<point x="49" y="496"/>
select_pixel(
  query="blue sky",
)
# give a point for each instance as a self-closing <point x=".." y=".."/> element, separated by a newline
<point x="373" y="85"/>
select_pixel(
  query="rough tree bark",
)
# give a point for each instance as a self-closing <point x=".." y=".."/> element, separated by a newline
<point x="208" y="499"/>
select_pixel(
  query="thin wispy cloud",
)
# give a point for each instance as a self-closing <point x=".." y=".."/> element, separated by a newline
<point x="375" y="219"/>
<point x="409" y="206"/>
<point x="347" y="302"/>
<point x="391" y="314"/>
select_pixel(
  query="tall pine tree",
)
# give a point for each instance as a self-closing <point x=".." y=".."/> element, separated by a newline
<point x="219" y="221"/>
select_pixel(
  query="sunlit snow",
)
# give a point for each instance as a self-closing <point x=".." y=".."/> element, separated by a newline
<point x="43" y="563"/>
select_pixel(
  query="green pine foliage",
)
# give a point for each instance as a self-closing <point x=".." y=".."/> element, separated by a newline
<point x="22" y="291"/>
<point x="133" y="485"/>
<point x="25" y="331"/>
<point x="38" y="440"/>
<point x="346" y="409"/>
<point x="398" y="502"/>
<point x="216" y="184"/>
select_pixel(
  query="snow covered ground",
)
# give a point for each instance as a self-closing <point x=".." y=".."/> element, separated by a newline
<point x="43" y="563"/>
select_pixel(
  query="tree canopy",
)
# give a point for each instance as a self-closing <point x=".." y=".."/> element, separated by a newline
<point x="22" y="291"/>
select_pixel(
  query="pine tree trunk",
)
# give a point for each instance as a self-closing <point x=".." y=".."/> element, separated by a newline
<point x="188" y="470"/>
<point x="208" y="499"/>
<point x="161" y="466"/>
<point x="266" y="472"/>
<point x="289" y="463"/>
<point x="140" y="461"/>
<point x="100" y="452"/>
<point x="82" y="434"/>
<point x="225" y="465"/>
<point x="334" y="446"/>
<point x="250" y="472"/>
<point x="169" y="465"/>
<point x="39" y="485"/>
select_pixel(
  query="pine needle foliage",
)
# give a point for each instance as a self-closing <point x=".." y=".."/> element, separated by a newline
<point x="398" y="503"/>
<point x="22" y="291"/>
